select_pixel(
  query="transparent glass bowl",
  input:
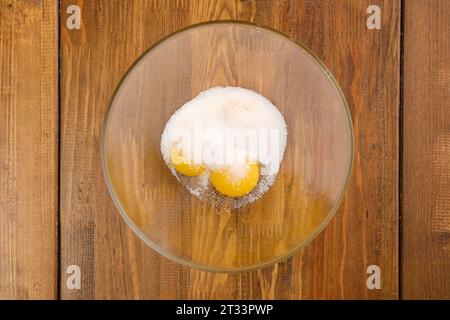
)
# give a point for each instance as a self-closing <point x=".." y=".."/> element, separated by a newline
<point x="313" y="176"/>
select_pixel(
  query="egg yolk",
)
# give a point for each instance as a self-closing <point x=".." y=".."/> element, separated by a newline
<point x="183" y="165"/>
<point x="234" y="186"/>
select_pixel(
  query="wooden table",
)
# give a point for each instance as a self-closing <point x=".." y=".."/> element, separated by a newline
<point x="55" y="210"/>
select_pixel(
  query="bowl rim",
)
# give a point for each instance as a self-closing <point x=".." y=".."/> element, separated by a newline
<point x="204" y="267"/>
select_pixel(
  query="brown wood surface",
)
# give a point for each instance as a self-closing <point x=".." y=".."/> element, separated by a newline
<point x="116" y="264"/>
<point x="426" y="151"/>
<point x="28" y="149"/>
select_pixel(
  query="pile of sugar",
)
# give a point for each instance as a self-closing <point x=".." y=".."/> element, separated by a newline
<point x="220" y="110"/>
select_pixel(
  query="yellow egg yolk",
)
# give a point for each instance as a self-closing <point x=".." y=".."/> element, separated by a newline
<point x="183" y="165"/>
<point x="236" y="186"/>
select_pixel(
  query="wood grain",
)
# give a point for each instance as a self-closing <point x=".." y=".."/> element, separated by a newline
<point x="28" y="149"/>
<point x="116" y="264"/>
<point x="426" y="151"/>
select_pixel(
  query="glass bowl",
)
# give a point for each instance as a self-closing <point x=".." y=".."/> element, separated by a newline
<point x="313" y="176"/>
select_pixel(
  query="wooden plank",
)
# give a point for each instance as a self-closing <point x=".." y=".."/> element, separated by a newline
<point x="116" y="264"/>
<point x="28" y="149"/>
<point x="426" y="151"/>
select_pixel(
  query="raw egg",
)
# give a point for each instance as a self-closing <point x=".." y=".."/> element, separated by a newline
<point x="183" y="165"/>
<point x="236" y="181"/>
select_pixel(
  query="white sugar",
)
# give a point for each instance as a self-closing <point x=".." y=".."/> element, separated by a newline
<point x="227" y="127"/>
